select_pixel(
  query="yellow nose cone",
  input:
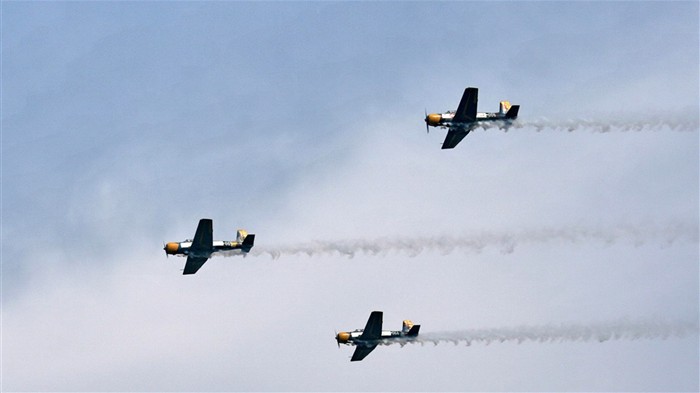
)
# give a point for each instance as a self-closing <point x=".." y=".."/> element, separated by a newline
<point x="171" y="248"/>
<point x="343" y="337"/>
<point x="433" y="119"/>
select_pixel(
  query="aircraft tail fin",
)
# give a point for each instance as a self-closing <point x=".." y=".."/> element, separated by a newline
<point x="504" y="107"/>
<point x="409" y="329"/>
<point x="241" y="235"/>
<point x="512" y="112"/>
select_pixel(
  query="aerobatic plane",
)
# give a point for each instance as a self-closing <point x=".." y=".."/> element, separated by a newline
<point x="199" y="249"/>
<point x="372" y="335"/>
<point x="462" y="121"/>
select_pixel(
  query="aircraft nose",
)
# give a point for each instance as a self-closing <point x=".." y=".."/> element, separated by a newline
<point x="171" y="248"/>
<point x="342" y="337"/>
<point x="433" y="119"/>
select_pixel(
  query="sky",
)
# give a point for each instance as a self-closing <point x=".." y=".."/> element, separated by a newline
<point x="124" y="123"/>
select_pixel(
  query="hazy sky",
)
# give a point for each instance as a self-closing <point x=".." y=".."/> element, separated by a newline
<point x="124" y="123"/>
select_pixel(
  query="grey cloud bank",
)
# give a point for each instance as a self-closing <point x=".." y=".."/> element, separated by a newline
<point x="124" y="123"/>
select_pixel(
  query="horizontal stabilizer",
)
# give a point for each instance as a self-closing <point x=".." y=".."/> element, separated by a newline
<point x="414" y="331"/>
<point x="513" y="112"/>
<point x="248" y="242"/>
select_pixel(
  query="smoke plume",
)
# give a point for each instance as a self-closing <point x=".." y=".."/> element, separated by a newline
<point x="686" y="125"/>
<point x="601" y="332"/>
<point x="505" y="242"/>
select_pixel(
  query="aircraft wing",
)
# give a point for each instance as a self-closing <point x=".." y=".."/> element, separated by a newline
<point x="466" y="112"/>
<point x="373" y="330"/>
<point x="202" y="245"/>
<point x="203" y="239"/>
<point x="454" y="136"/>
<point x="361" y="352"/>
<point x="193" y="264"/>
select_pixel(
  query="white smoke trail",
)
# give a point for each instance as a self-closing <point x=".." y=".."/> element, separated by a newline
<point x="665" y="235"/>
<point x="599" y="126"/>
<point x="601" y="332"/>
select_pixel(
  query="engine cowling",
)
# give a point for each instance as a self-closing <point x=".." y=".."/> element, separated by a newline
<point x="433" y="119"/>
<point x="343" y="337"/>
<point x="172" y="248"/>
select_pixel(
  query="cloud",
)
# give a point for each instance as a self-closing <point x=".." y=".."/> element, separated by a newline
<point x="306" y="127"/>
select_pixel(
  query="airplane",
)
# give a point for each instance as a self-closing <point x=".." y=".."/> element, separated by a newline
<point x="372" y="335"/>
<point x="462" y="121"/>
<point x="199" y="249"/>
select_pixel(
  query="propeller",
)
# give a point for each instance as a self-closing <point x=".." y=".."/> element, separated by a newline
<point x="337" y="340"/>
<point x="427" y="126"/>
<point x="164" y="249"/>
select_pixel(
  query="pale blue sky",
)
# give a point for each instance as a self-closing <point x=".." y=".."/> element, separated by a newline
<point x="124" y="123"/>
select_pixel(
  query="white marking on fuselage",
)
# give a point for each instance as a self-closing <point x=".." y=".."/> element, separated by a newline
<point x="218" y="245"/>
<point x="446" y="120"/>
<point x="385" y="334"/>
